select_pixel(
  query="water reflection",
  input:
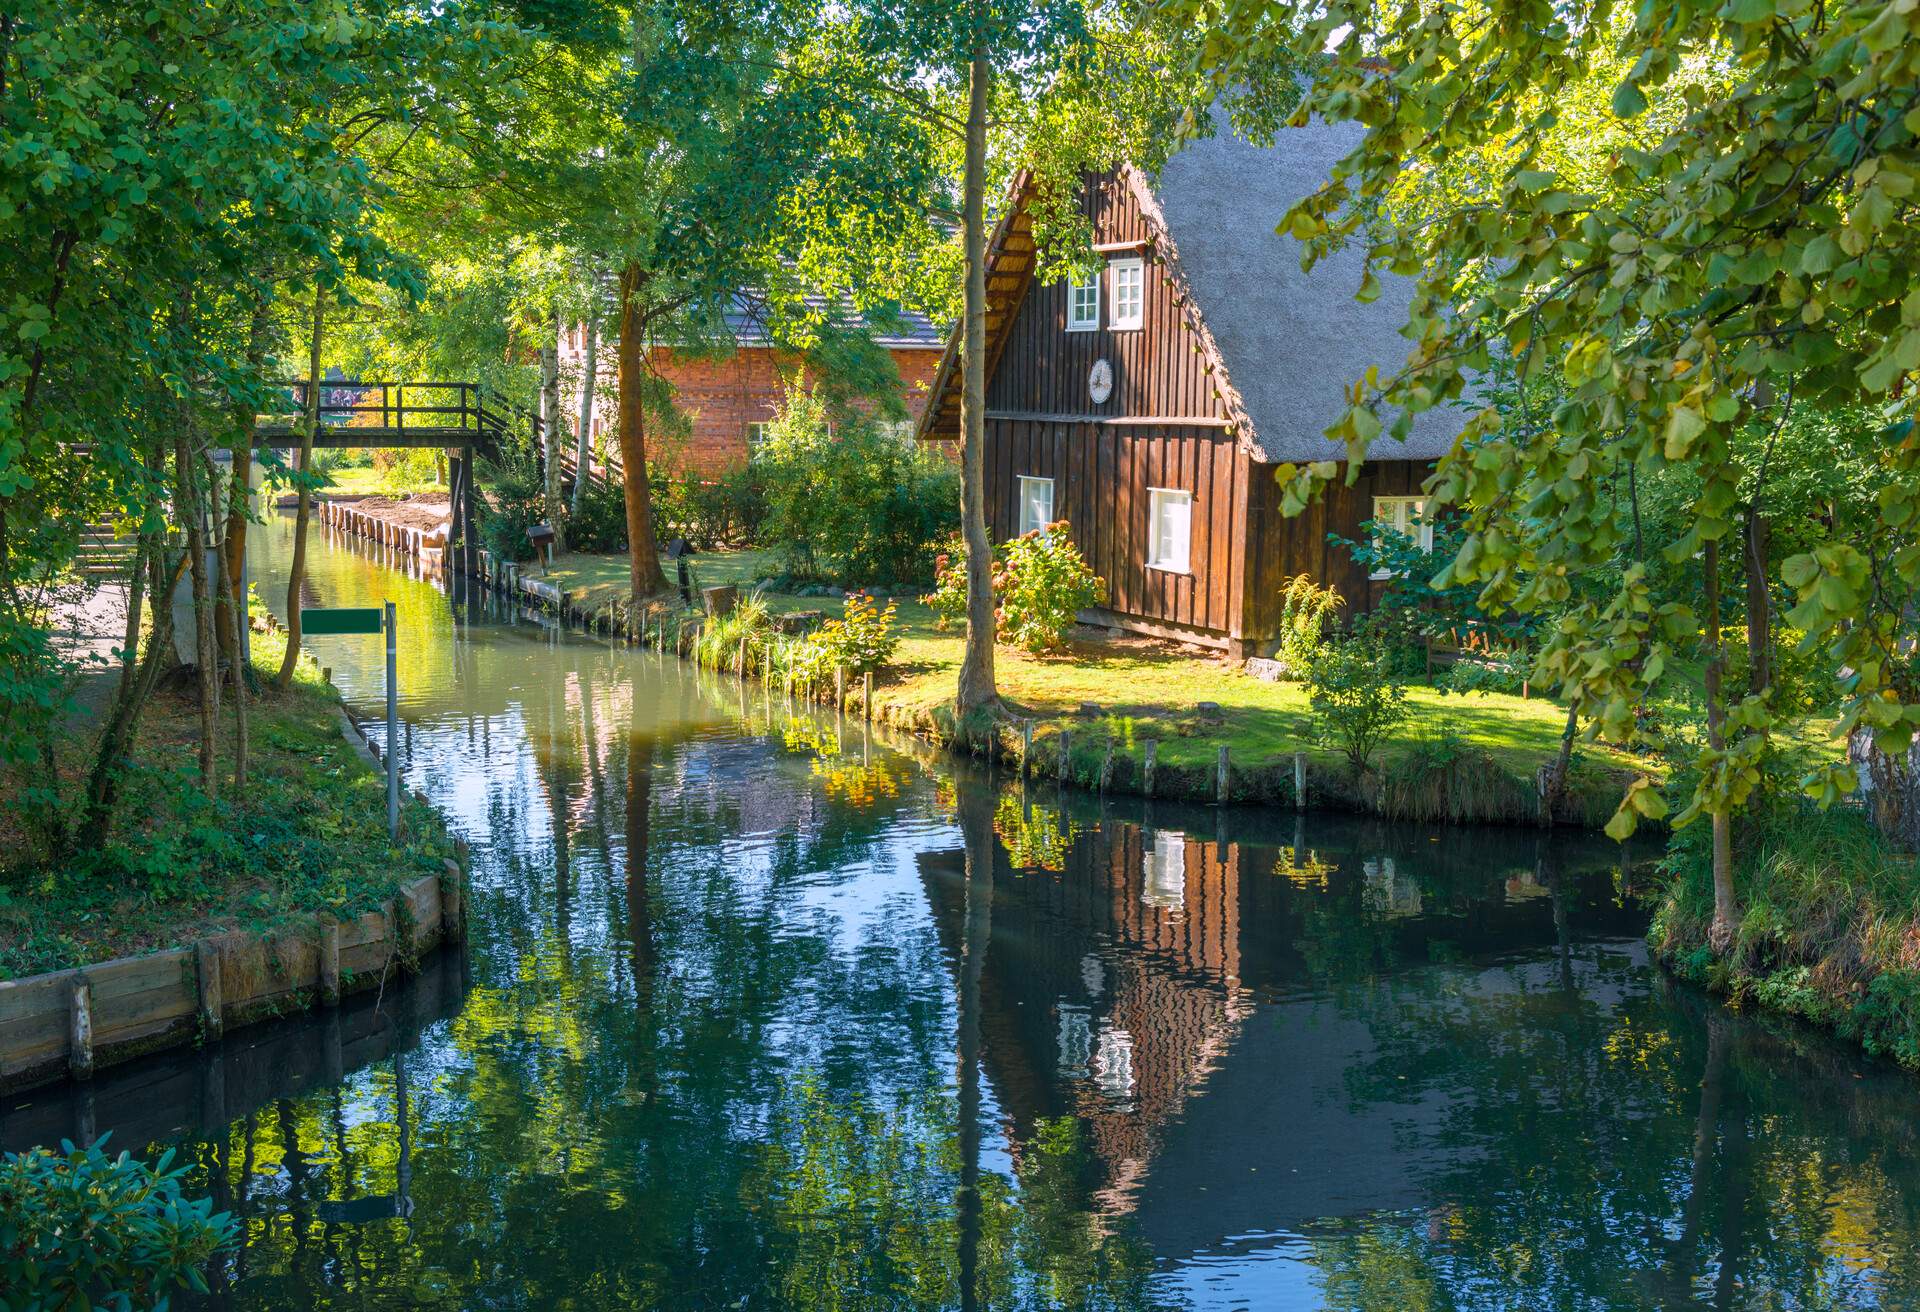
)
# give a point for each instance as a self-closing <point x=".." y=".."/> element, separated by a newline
<point x="766" y="1011"/>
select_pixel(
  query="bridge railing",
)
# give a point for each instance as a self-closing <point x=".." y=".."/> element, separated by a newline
<point x="360" y="403"/>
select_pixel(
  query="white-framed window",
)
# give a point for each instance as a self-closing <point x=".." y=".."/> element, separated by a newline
<point x="757" y="434"/>
<point x="1129" y="292"/>
<point x="1169" y="528"/>
<point x="1083" y="305"/>
<point x="1036" y="503"/>
<point x="1406" y="516"/>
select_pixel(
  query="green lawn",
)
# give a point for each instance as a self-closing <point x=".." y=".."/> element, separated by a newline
<point x="1136" y="683"/>
<point x="307" y="837"/>
<point x="365" y="480"/>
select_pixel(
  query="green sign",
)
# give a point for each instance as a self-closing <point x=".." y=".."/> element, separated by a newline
<point x="340" y="619"/>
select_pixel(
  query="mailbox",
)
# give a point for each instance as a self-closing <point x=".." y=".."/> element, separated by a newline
<point x="541" y="535"/>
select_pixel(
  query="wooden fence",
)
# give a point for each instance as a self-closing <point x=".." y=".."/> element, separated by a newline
<point x="69" y="1023"/>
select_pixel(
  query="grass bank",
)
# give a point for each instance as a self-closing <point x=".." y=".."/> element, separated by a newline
<point x="1829" y="931"/>
<point x="306" y="837"/>
<point x="1465" y="757"/>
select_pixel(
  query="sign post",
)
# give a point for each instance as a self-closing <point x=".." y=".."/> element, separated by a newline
<point x="331" y="620"/>
<point x="393" y="736"/>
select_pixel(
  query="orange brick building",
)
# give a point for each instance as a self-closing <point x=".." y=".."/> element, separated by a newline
<point x="727" y="398"/>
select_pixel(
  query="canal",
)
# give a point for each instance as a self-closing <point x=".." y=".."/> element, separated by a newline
<point x="762" y="1010"/>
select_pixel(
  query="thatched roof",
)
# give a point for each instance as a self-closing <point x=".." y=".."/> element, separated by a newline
<point x="1286" y="344"/>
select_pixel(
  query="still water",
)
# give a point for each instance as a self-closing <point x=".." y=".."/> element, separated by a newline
<point x="764" y="1011"/>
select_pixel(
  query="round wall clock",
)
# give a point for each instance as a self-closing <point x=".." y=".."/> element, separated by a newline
<point x="1100" y="382"/>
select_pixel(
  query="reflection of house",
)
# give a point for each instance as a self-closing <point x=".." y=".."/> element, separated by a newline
<point x="730" y="396"/>
<point x="1178" y="996"/>
<point x="1109" y="991"/>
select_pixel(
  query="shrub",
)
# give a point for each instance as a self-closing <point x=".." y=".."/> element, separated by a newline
<point x="709" y="513"/>
<point x="855" y="503"/>
<point x="948" y="599"/>
<point x="862" y="640"/>
<point x="1043" y="582"/>
<point x="1306" y="612"/>
<point x="1040" y="583"/>
<point x="601" y="522"/>
<point x="1500" y="671"/>
<point x="1356" y="697"/>
<point x="515" y="502"/>
<point x="81" y="1229"/>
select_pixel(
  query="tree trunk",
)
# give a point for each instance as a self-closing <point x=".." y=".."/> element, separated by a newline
<point x="1759" y="604"/>
<point x="136" y="594"/>
<point x="233" y="593"/>
<point x="1556" y="781"/>
<point x="233" y="639"/>
<point x="123" y="721"/>
<point x="976" y="690"/>
<point x="1726" y="910"/>
<point x="588" y="382"/>
<point x="188" y="504"/>
<point x="551" y="436"/>
<point x="647" y="579"/>
<point x="309" y="431"/>
<point x="975" y="814"/>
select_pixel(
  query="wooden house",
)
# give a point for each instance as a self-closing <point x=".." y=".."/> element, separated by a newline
<point x="1150" y="405"/>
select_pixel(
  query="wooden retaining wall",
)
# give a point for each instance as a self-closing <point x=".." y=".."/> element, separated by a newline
<point x="347" y="517"/>
<point x="72" y="1022"/>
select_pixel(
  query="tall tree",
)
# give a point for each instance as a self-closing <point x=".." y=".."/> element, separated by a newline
<point x="1738" y="228"/>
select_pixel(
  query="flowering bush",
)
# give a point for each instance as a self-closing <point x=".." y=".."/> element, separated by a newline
<point x="949" y="596"/>
<point x="1040" y="582"/>
<point x="863" y="639"/>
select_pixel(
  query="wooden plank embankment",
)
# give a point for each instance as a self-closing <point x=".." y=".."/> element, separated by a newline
<point x="73" y="1022"/>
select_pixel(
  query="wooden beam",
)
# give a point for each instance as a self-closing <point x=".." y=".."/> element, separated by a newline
<point x="416" y="438"/>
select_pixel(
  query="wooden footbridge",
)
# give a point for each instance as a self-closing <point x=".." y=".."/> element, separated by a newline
<point x="463" y="419"/>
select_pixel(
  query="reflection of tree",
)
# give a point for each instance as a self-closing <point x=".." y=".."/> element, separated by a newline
<point x="1036" y="837"/>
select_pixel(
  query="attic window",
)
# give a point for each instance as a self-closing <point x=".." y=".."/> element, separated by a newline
<point x="1083" y="305"/>
<point x="1129" y="292"/>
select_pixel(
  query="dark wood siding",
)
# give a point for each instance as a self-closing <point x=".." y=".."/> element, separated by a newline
<point x="1278" y="548"/>
<point x="1158" y="368"/>
<point x="1101" y="473"/>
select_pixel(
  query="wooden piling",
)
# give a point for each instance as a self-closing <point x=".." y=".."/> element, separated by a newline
<point x="1147" y="768"/>
<point x="1066" y="755"/>
<point x="453" y="903"/>
<point x="1106" y="767"/>
<point x="330" y="963"/>
<point x="80" y="1030"/>
<point x="866" y="695"/>
<point x="206" y="962"/>
<point x="839" y="687"/>
<point x="1026" y="747"/>
<point x="1299" y="781"/>
<point x="1225" y="773"/>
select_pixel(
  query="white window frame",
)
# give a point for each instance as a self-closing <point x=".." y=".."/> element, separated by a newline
<point x="1407" y="516"/>
<point x="757" y="432"/>
<point x="1123" y="320"/>
<point x="1089" y="321"/>
<point x="1158" y="497"/>
<point x="1026" y="503"/>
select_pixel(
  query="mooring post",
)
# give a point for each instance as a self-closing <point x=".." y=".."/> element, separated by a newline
<point x="330" y="963"/>
<point x="1299" y="781"/>
<point x="1026" y="747"/>
<point x="1225" y="769"/>
<point x="866" y="695"/>
<point x="1066" y="755"/>
<point x="206" y="961"/>
<point x="1146" y="769"/>
<point x="1106" y="766"/>
<point x="839" y="687"/>
<point x="740" y="661"/>
<point x="80" y="1030"/>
